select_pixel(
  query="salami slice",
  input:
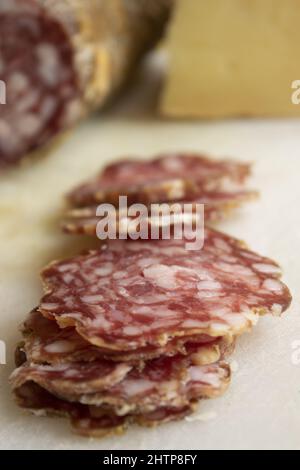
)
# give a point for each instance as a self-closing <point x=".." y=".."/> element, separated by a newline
<point x="130" y="295"/>
<point x="165" y="382"/>
<point x="217" y="205"/>
<point x="166" y="178"/>
<point x="45" y="343"/>
<point x="42" y="403"/>
<point x="95" y="424"/>
<point x="90" y="421"/>
<point x="72" y="380"/>
<point x="60" y="59"/>
<point x="168" y="383"/>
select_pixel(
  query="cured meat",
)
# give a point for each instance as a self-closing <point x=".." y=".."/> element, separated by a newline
<point x="84" y="221"/>
<point x="72" y="380"/>
<point x="165" y="382"/>
<point x="129" y="295"/>
<point x="42" y="403"/>
<point x="90" y="421"/>
<point x="95" y="424"/>
<point x="36" y="64"/>
<point x="166" y="178"/>
<point x="45" y="342"/>
<point x="102" y="397"/>
<point x="61" y="59"/>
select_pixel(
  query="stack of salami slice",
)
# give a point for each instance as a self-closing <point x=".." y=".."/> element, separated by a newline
<point x="139" y="331"/>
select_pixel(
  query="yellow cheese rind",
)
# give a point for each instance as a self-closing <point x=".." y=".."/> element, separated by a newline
<point x="233" y="58"/>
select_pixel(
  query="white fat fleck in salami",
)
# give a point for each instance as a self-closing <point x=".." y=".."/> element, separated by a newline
<point x="18" y="83"/>
<point x="161" y="180"/>
<point x="267" y="268"/>
<point x="272" y="284"/>
<point x="187" y="293"/>
<point x="49" y="66"/>
<point x="163" y="276"/>
<point x="29" y="125"/>
<point x="209" y="285"/>
<point x="59" y="347"/>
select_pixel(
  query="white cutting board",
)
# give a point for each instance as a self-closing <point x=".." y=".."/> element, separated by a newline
<point x="261" y="410"/>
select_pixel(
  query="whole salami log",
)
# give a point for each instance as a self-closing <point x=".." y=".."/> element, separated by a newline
<point x="61" y="59"/>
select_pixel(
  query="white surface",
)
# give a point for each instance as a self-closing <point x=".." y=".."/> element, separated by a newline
<point x="262" y="407"/>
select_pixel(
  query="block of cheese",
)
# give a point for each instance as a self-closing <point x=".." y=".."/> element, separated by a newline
<point x="233" y="58"/>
